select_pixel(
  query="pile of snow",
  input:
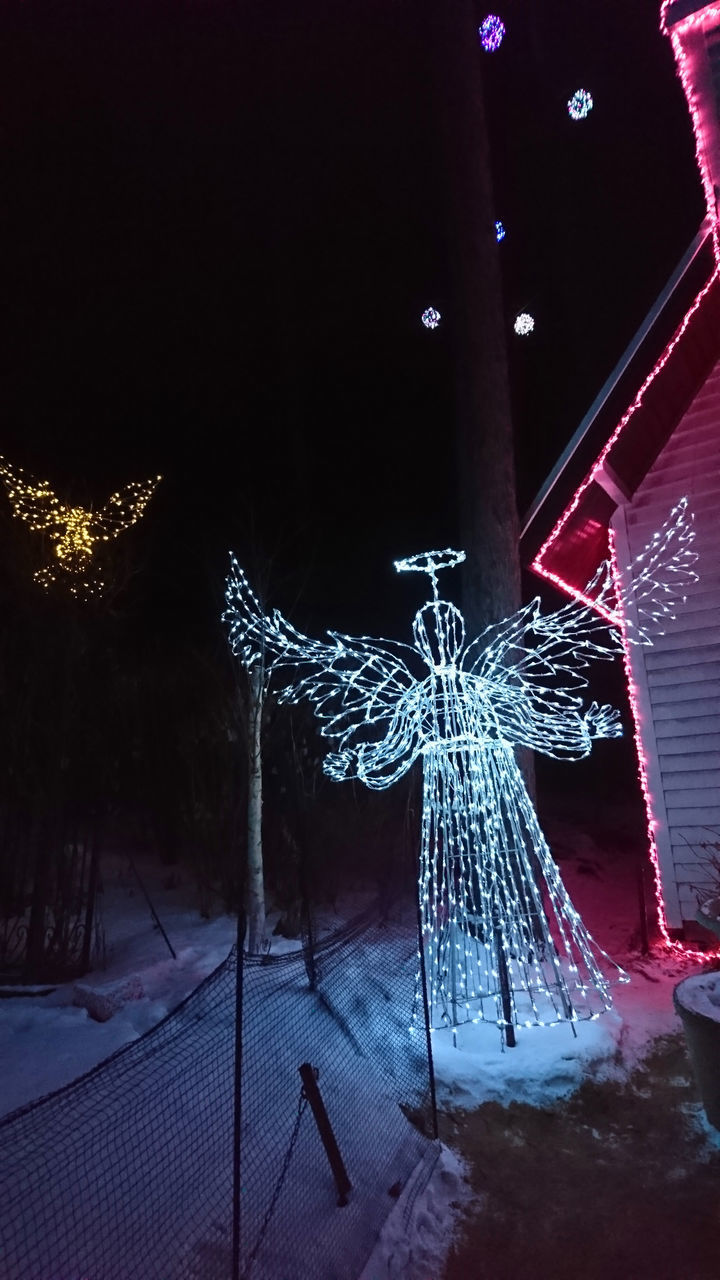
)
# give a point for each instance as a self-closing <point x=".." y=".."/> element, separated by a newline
<point x="549" y="1063"/>
<point x="416" y="1238"/>
<point x="546" y="1063"/>
<point x="108" y="998"/>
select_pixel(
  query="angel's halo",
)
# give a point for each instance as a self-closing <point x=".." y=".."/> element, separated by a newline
<point x="430" y="561"/>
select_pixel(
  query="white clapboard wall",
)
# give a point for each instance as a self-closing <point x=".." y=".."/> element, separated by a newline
<point x="678" y="679"/>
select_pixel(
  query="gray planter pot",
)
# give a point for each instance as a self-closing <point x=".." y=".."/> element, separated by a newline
<point x="702" y="1033"/>
<point x="712" y="921"/>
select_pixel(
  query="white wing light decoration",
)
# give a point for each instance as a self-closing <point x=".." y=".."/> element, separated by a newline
<point x="503" y="942"/>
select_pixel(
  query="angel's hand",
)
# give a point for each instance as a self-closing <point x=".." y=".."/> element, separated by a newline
<point x="337" y="765"/>
<point x="603" y="722"/>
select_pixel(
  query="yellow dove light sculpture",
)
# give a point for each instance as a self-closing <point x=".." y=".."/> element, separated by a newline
<point x="74" y="532"/>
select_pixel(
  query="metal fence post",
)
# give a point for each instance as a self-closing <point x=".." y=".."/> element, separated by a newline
<point x="237" y="1095"/>
<point x="426" y="1011"/>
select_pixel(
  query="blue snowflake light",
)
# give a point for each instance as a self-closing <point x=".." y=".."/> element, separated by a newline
<point x="580" y="105"/>
<point x="503" y="941"/>
<point x="524" y="324"/>
<point x="499" y="231"/>
<point x="491" y="32"/>
<point x="431" y="318"/>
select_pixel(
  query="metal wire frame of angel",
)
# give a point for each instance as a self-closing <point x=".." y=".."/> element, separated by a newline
<point x="75" y="533"/>
<point x="503" y="942"/>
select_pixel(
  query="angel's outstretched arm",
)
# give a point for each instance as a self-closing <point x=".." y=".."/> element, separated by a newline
<point x="567" y="735"/>
<point x="380" y="764"/>
<point x="530" y="714"/>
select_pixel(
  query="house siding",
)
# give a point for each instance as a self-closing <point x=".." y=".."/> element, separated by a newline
<point x="678" y="678"/>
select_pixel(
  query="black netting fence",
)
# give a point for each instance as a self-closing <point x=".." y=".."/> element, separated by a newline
<point x="128" y="1172"/>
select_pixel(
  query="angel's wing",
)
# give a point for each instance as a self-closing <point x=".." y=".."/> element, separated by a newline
<point x="538" y="656"/>
<point x="32" y="500"/>
<point x="354" y="685"/>
<point x="551" y="652"/>
<point x="656" y="581"/>
<point x="123" y="508"/>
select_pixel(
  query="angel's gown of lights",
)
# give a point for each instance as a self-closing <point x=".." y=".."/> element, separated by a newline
<point x="503" y="942"/>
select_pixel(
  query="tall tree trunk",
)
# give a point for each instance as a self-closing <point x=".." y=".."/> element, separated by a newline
<point x="255" y="889"/>
<point x="489" y="526"/>
<point x="485" y="459"/>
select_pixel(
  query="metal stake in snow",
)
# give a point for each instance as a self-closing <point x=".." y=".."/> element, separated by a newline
<point x="156" y="919"/>
<point x="309" y="1075"/>
<point x="503" y="942"/>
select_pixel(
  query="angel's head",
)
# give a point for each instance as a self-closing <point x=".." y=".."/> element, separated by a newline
<point x="439" y="630"/>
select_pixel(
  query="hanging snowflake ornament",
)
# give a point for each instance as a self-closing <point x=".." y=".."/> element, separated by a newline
<point x="502" y="941"/>
<point x="431" y="318"/>
<point x="524" y="324"/>
<point x="491" y="32"/>
<point x="499" y="232"/>
<point x="580" y="105"/>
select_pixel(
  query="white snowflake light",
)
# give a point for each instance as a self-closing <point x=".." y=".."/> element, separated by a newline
<point x="580" y="105"/>
<point x="503" y="942"/>
<point x="524" y="324"/>
<point x="431" y="318"/>
<point x="499" y="232"/>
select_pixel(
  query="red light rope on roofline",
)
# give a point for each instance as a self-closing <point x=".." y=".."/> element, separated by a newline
<point x="537" y="564"/>
<point x="683" y="60"/>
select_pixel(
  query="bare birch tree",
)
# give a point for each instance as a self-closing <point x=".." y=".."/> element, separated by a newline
<point x="255" y="882"/>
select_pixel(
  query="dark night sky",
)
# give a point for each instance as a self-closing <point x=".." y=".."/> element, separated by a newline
<point x="220" y="224"/>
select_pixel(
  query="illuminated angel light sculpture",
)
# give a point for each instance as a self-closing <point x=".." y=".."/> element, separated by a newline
<point x="503" y="942"/>
<point x="74" y="532"/>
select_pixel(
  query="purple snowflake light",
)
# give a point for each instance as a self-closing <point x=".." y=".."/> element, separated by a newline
<point x="580" y="105"/>
<point x="491" y="32"/>
<point x="499" y="232"/>
<point x="430" y="318"/>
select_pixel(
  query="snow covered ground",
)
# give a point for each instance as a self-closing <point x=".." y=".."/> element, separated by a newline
<point x="137" y="956"/>
<point x="546" y="1062"/>
<point x="48" y="1040"/>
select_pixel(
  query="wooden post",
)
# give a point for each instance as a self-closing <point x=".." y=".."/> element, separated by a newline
<point x="308" y="1075"/>
<point x="642" y="909"/>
